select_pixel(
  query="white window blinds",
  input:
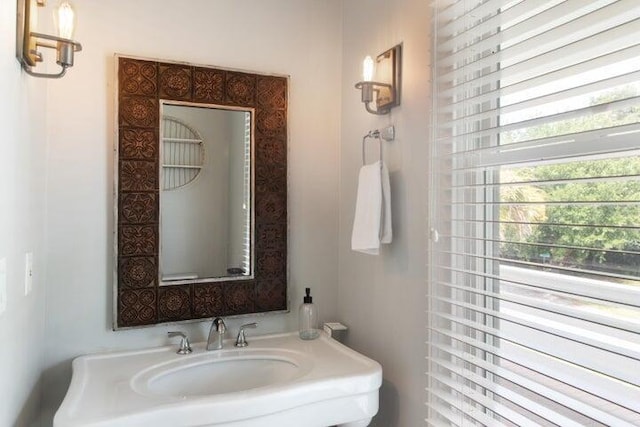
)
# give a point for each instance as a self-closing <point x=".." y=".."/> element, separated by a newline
<point x="247" y="198"/>
<point x="535" y="261"/>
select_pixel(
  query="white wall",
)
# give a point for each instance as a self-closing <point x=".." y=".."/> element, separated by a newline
<point x="294" y="37"/>
<point x="23" y="151"/>
<point x="382" y="299"/>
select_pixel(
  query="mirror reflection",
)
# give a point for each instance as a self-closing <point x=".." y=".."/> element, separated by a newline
<point x="206" y="197"/>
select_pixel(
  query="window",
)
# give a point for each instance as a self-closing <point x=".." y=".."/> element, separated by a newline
<point x="535" y="261"/>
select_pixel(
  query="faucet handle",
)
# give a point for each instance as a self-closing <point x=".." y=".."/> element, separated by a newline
<point x="185" y="346"/>
<point x="241" y="340"/>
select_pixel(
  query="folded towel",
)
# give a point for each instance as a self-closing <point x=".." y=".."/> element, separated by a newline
<point x="372" y="222"/>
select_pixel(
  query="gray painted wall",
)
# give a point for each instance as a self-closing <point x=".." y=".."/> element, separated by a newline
<point x="57" y="191"/>
<point x="383" y="298"/>
<point x="23" y="170"/>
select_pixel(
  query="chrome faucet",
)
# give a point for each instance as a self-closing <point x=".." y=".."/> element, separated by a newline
<point x="241" y="340"/>
<point x="216" y="334"/>
<point x="185" y="346"/>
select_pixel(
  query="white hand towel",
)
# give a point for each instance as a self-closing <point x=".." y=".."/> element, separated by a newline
<point x="372" y="222"/>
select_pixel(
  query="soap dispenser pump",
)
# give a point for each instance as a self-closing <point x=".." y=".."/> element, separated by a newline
<point x="308" y="318"/>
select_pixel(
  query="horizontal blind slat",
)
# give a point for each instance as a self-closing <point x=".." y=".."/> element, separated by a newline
<point x="462" y="406"/>
<point x="534" y="297"/>
<point x="584" y="143"/>
<point x="569" y="372"/>
<point x="496" y="15"/>
<point x="559" y="269"/>
<point x="536" y="303"/>
<point x="598" y="44"/>
<point x="438" y="409"/>
<point x="566" y="115"/>
<point x="551" y="181"/>
<point x="615" y="293"/>
<point x="451" y="10"/>
<point x="549" y="151"/>
<point x="540" y="100"/>
<point x="597" y="342"/>
<point x="578" y="29"/>
<point x="532" y="406"/>
<point x="503" y="411"/>
<point x="612" y="271"/>
<point x="540" y="244"/>
<point x="539" y="388"/>
<point x="458" y="92"/>
<point x="551" y="224"/>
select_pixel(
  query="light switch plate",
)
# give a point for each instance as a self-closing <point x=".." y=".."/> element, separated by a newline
<point x="28" y="273"/>
<point x="3" y="285"/>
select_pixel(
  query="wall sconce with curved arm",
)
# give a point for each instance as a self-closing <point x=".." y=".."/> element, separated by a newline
<point x="28" y="40"/>
<point x="386" y="87"/>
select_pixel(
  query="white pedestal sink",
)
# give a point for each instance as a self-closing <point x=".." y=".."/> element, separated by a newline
<point x="279" y="381"/>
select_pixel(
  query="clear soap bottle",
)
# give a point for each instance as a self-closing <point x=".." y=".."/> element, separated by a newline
<point x="308" y="318"/>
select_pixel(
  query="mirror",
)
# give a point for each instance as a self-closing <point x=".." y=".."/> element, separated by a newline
<point x="176" y="259"/>
<point x="206" y="198"/>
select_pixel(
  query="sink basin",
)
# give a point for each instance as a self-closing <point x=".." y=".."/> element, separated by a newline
<point x="205" y="375"/>
<point x="279" y="380"/>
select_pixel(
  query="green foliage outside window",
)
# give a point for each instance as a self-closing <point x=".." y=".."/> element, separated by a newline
<point x="600" y="228"/>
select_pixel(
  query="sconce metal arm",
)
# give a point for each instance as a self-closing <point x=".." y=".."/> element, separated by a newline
<point x="77" y="47"/>
<point x="45" y="75"/>
<point x="379" y="112"/>
<point x="368" y="88"/>
<point x="65" y="49"/>
<point x="360" y="85"/>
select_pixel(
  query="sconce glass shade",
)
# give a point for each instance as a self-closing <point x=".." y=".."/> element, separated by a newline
<point x="65" y="20"/>
<point x="28" y="41"/>
<point x="367" y="69"/>
<point x="386" y="85"/>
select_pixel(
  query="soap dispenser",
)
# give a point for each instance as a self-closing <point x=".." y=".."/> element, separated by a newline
<point x="308" y="318"/>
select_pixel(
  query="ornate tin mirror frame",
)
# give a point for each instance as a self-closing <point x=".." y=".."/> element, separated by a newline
<point x="142" y="85"/>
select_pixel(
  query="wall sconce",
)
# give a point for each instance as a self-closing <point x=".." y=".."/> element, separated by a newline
<point x="386" y="87"/>
<point x="28" y="41"/>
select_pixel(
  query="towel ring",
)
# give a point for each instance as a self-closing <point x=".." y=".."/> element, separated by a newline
<point x="375" y="134"/>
